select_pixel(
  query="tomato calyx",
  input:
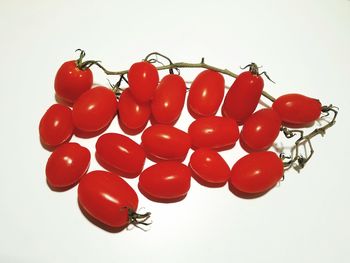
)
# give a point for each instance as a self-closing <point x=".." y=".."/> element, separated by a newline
<point x="254" y="69"/>
<point x="137" y="219"/>
<point x="156" y="60"/>
<point x="84" y="65"/>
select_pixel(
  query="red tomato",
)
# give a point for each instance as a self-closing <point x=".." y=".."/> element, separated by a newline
<point x="143" y="79"/>
<point x="206" y="93"/>
<point x="71" y="82"/>
<point x="243" y="97"/>
<point x="107" y="197"/>
<point x="256" y="172"/>
<point x="132" y="114"/>
<point x="67" y="164"/>
<point x="165" y="181"/>
<point x="56" y="126"/>
<point x="121" y="153"/>
<point x="213" y="132"/>
<point x="297" y="109"/>
<point x="95" y="109"/>
<point x="165" y="142"/>
<point x="209" y="166"/>
<point x="261" y="130"/>
<point x="169" y="99"/>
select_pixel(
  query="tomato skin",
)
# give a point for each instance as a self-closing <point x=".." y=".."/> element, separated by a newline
<point x="297" y="109"/>
<point x="56" y="125"/>
<point x="107" y="197"/>
<point x="165" y="181"/>
<point x="261" y="129"/>
<point x="209" y="166"/>
<point x="67" y="164"/>
<point x="121" y="152"/>
<point x="132" y="114"/>
<point x="213" y="132"/>
<point x="206" y="94"/>
<point x="165" y="142"/>
<point x="256" y="172"/>
<point x="169" y="99"/>
<point x="143" y="80"/>
<point x="243" y="97"/>
<point x="95" y="109"/>
<point x="71" y="82"/>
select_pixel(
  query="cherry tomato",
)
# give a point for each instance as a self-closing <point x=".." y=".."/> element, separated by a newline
<point x="67" y="164"/>
<point x="107" y="197"/>
<point x="133" y="115"/>
<point x="261" y="130"/>
<point x="256" y="172"/>
<point x="213" y="132"/>
<point x="71" y="82"/>
<point x="165" y="181"/>
<point x="143" y="80"/>
<point x="95" y="109"/>
<point x="209" y="166"/>
<point x="121" y="153"/>
<point x="169" y="99"/>
<point x="165" y="142"/>
<point x="297" y="109"/>
<point x="206" y="94"/>
<point x="243" y="97"/>
<point x="56" y="126"/>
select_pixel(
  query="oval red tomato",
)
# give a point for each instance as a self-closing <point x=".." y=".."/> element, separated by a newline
<point x="71" y="82"/>
<point x="66" y="165"/>
<point x="169" y="99"/>
<point x="165" y="181"/>
<point x="56" y="126"/>
<point x="213" y="132"/>
<point x="256" y="172"/>
<point x="107" y="198"/>
<point x="206" y="94"/>
<point x="95" y="109"/>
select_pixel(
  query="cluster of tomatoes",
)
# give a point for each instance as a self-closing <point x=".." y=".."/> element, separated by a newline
<point x="105" y="196"/>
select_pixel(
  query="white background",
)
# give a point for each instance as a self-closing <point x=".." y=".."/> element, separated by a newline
<point x="304" y="45"/>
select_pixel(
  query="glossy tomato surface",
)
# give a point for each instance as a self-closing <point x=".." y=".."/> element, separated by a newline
<point x="143" y="80"/>
<point x="67" y="164"/>
<point x="206" y="94"/>
<point x="243" y="97"/>
<point x="213" y="132"/>
<point x="169" y="99"/>
<point x="56" y="125"/>
<point x="256" y="172"/>
<point x="95" y="109"/>
<point x="165" y="142"/>
<point x="261" y="130"/>
<point x="120" y="152"/>
<point x="165" y="181"/>
<point x="71" y="82"/>
<point x="107" y="198"/>
<point x="297" y="109"/>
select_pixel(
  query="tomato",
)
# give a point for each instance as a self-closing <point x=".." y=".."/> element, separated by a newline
<point x="133" y="115"/>
<point x="261" y="130"/>
<point x="210" y="167"/>
<point x="143" y="80"/>
<point x="206" y="94"/>
<point x="56" y="126"/>
<point x="297" y="109"/>
<point x="121" y="153"/>
<point x="243" y="97"/>
<point x="107" y="198"/>
<point x="256" y="172"/>
<point x="71" y="82"/>
<point x="169" y="99"/>
<point x="95" y="109"/>
<point x="165" y="181"/>
<point x="66" y="165"/>
<point x="165" y="142"/>
<point x="213" y="132"/>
